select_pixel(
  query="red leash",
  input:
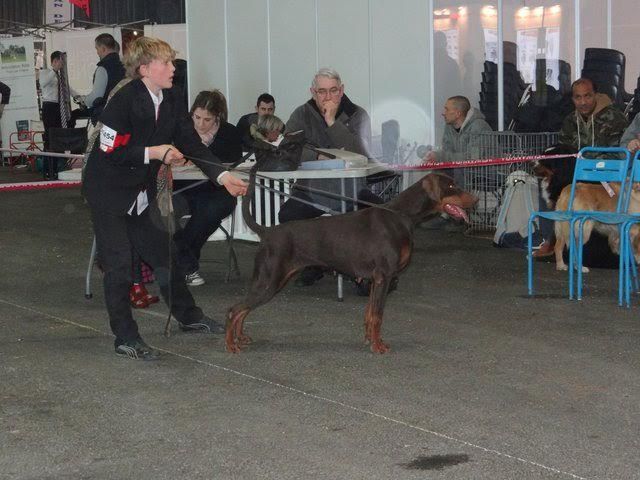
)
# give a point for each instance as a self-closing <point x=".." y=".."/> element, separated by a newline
<point x="479" y="162"/>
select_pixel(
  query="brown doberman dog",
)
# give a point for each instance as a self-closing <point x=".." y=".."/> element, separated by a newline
<point x="374" y="243"/>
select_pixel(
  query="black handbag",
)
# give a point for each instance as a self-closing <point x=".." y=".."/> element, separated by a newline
<point x="283" y="158"/>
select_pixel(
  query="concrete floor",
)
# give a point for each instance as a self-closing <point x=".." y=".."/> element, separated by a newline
<point x="481" y="382"/>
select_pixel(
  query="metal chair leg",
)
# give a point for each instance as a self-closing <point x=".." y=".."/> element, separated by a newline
<point x="87" y="283"/>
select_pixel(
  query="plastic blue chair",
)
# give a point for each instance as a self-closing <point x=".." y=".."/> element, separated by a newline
<point x="626" y="245"/>
<point x="596" y="169"/>
<point x="619" y="218"/>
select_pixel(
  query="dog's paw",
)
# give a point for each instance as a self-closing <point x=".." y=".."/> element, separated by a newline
<point x="585" y="269"/>
<point x="233" y="347"/>
<point x="561" y="267"/>
<point x="379" y="347"/>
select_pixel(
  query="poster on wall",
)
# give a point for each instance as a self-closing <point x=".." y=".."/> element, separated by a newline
<point x="17" y="71"/>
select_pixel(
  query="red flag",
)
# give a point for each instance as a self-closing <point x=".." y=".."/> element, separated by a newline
<point x="83" y="4"/>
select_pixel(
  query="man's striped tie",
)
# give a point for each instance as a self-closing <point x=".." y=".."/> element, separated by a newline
<point x="64" y="99"/>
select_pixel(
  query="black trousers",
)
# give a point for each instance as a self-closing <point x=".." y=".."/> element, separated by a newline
<point x="208" y="205"/>
<point x="116" y="236"/>
<point x="50" y="119"/>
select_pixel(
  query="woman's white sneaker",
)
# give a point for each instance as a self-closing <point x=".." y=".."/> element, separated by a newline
<point x="194" y="279"/>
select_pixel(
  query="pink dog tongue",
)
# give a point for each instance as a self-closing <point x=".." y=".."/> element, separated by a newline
<point x="456" y="211"/>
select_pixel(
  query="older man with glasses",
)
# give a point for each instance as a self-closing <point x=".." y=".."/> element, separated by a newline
<point x="329" y="120"/>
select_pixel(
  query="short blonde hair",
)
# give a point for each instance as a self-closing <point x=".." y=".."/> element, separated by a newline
<point x="143" y="50"/>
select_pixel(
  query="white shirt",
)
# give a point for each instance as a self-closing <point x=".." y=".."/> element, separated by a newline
<point x="142" y="201"/>
<point x="49" y="85"/>
<point x="100" y="80"/>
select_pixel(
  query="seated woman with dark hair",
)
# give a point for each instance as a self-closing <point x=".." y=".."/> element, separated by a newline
<point x="208" y="204"/>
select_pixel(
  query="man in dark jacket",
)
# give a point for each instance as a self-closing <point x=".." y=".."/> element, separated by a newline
<point x="145" y="128"/>
<point x="109" y="71"/>
<point x="266" y="105"/>
<point x="329" y="120"/>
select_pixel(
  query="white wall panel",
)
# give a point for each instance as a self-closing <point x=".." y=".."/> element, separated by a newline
<point x="248" y="55"/>
<point x="293" y="52"/>
<point x="206" y="42"/>
<point x="81" y="53"/>
<point x="400" y="74"/>
<point x="175" y="34"/>
<point x="379" y="47"/>
<point x="343" y="43"/>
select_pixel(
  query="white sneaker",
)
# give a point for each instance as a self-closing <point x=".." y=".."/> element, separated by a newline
<point x="194" y="279"/>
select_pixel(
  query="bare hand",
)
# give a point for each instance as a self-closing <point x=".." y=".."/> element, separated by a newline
<point x="167" y="154"/>
<point x="329" y="111"/>
<point x="234" y="185"/>
<point x="633" y="145"/>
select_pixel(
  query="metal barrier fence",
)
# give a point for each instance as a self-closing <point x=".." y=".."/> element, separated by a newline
<point x="489" y="182"/>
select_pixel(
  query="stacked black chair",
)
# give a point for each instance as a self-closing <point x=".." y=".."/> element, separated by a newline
<point x="547" y="106"/>
<point x="64" y="140"/>
<point x="605" y="67"/>
<point x="514" y="87"/>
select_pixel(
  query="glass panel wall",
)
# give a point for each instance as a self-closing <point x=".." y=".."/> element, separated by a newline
<point x="464" y="35"/>
<point x="539" y="53"/>
<point x="625" y="30"/>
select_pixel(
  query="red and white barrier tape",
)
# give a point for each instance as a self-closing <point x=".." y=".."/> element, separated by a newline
<point x="484" y="162"/>
<point x="12" y="187"/>
<point x="40" y="153"/>
<point x="425" y="166"/>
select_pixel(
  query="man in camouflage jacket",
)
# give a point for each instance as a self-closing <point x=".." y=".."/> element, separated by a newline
<point x="596" y="122"/>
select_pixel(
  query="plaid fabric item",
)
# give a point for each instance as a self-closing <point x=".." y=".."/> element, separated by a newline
<point x="165" y="189"/>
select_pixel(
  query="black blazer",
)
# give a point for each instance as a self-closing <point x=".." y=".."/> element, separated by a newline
<point x="227" y="144"/>
<point x="115" y="171"/>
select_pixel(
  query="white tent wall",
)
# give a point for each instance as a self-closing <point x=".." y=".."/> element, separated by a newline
<point x="379" y="48"/>
<point x="81" y="53"/>
<point x="249" y="75"/>
<point x="206" y="46"/>
<point x="175" y="34"/>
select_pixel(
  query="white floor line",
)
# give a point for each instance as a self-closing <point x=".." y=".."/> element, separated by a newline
<point x="311" y="395"/>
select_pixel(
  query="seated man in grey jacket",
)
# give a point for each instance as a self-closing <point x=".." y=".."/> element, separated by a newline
<point x="459" y="142"/>
<point x="329" y="120"/>
<point x="631" y="136"/>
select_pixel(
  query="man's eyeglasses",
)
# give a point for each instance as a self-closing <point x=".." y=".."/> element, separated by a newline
<point x="323" y="92"/>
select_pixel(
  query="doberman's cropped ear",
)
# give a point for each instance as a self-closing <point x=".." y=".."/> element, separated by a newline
<point x="431" y="185"/>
